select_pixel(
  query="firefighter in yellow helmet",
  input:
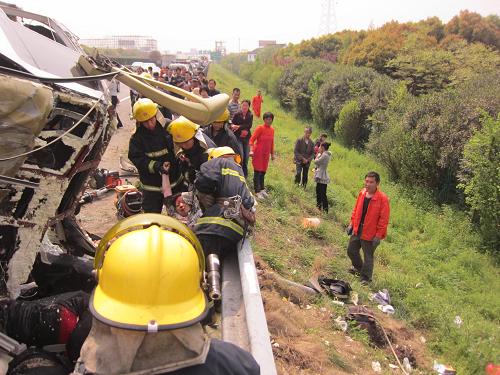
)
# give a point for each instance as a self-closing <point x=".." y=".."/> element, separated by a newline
<point x="191" y="144"/>
<point x="220" y="133"/>
<point x="148" y="305"/>
<point x="151" y="150"/>
<point x="227" y="206"/>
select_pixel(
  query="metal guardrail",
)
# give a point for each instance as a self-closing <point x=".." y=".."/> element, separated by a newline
<point x="241" y="298"/>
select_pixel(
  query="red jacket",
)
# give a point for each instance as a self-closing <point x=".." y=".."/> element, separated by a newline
<point x="377" y="216"/>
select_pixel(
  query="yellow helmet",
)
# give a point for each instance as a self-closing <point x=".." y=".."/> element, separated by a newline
<point x="144" y="109"/>
<point x="223" y="117"/>
<point x="182" y="129"/>
<point x="216" y="152"/>
<point x="149" y="272"/>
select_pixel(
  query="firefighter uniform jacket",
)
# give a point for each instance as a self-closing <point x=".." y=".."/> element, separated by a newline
<point x="195" y="156"/>
<point x="222" y="178"/>
<point x="148" y="150"/>
<point x="225" y="137"/>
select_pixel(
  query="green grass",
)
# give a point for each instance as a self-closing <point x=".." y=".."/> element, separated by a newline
<point x="429" y="261"/>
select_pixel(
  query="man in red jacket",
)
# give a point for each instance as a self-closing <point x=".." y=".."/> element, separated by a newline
<point x="368" y="226"/>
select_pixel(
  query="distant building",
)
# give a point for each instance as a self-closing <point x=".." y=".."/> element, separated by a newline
<point x="265" y="43"/>
<point x="251" y="55"/>
<point x="143" y="43"/>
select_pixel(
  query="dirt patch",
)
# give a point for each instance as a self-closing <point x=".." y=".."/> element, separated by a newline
<point x="306" y="342"/>
<point x="100" y="215"/>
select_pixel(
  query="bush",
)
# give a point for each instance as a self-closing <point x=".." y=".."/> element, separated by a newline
<point x="344" y="83"/>
<point x="421" y="140"/>
<point x="348" y="127"/>
<point x="480" y="176"/>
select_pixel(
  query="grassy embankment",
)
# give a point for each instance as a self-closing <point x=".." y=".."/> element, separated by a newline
<point x="428" y="262"/>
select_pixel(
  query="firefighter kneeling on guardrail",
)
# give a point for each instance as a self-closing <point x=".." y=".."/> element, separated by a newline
<point x="148" y="305"/>
<point x="228" y="209"/>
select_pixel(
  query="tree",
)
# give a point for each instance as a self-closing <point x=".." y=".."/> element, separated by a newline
<point x="348" y="127"/>
<point x="379" y="46"/>
<point x="480" y="175"/>
<point x="474" y="28"/>
<point x="155" y="56"/>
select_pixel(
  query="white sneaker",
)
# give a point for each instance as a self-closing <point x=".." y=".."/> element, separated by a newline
<point x="259" y="195"/>
<point x="264" y="194"/>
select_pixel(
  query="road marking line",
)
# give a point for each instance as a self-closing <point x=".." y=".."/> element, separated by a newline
<point x="126" y="98"/>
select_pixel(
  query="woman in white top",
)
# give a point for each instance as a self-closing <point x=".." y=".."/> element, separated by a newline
<point x="321" y="175"/>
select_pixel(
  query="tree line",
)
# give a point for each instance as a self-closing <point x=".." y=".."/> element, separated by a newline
<point x="422" y="97"/>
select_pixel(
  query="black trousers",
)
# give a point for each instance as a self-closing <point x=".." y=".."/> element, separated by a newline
<point x="152" y="201"/>
<point x="301" y="174"/>
<point x="365" y="267"/>
<point x="258" y="181"/>
<point x="321" y="199"/>
<point x="213" y="244"/>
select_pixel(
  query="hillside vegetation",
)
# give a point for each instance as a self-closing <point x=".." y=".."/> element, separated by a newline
<point x="423" y="98"/>
<point x="429" y="262"/>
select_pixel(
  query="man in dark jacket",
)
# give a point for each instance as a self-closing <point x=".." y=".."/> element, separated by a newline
<point x="191" y="146"/>
<point x="220" y="133"/>
<point x="242" y="125"/>
<point x="151" y="150"/>
<point x="303" y="154"/>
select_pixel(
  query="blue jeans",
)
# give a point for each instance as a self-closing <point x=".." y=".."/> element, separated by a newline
<point x="245" y="147"/>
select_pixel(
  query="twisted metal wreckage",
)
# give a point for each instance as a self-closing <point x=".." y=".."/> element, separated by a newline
<point x="53" y="133"/>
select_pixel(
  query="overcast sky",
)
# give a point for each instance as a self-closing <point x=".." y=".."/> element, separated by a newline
<point x="182" y="25"/>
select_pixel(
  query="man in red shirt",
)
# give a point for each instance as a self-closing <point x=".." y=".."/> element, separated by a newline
<point x="368" y="226"/>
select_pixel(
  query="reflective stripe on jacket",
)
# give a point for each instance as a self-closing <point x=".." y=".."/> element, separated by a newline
<point x="148" y="150"/>
<point x="220" y="178"/>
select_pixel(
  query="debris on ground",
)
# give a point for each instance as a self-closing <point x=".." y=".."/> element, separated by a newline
<point x="382" y="297"/>
<point x="388" y="309"/>
<point x="311" y="222"/>
<point x="444" y="369"/>
<point x="376" y="366"/>
<point x="407" y="365"/>
<point x="340" y="323"/>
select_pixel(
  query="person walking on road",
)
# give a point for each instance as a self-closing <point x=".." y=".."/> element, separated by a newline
<point x="368" y="226"/>
<point x="321" y="176"/>
<point x="257" y="103"/>
<point x="262" y="147"/>
<point x="303" y="155"/>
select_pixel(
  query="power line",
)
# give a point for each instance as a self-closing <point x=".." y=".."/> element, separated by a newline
<point x="328" y="20"/>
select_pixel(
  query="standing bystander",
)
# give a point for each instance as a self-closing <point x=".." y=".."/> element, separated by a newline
<point x="257" y="103"/>
<point x="368" y="226"/>
<point x="242" y="123"/>
<point x="321" y="176"/>
<point x="303" y="155"/>
<point x="234" y="104"/>
<point x="262" y="144"/>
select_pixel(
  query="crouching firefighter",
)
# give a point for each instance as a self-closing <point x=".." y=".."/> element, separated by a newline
<point x="151" y="150"/>
<point x="148" y="305"/>
<point x="228" y="210"/>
